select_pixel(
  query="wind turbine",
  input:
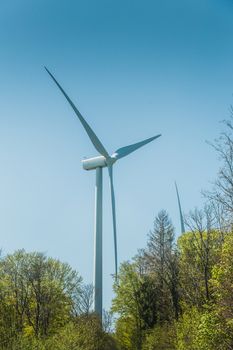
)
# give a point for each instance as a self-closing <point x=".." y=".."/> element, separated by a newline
<point x="180" y="210"/>
<point x="97" y="164"/>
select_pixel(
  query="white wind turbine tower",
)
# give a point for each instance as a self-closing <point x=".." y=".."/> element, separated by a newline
<point x="97" y="164"/>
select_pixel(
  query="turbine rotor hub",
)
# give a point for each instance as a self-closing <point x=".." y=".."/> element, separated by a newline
<point x="97" y="162"/>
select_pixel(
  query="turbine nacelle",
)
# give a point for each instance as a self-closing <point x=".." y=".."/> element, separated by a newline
<point x="97" y="162"/>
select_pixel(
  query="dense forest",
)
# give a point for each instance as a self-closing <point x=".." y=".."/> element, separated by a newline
<point x="175" y="294"/>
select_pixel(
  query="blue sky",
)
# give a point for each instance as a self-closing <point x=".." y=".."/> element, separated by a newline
<point x="134" y="69"/>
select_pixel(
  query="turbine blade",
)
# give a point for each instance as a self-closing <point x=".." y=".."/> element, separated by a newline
<point x="110" y="171"/>
<point x="124" y="151"/>
<point x="181" y="215"/>
<point x="94" y="139"/>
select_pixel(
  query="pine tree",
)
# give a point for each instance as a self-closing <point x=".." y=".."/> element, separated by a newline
<point x="162" y="261"/>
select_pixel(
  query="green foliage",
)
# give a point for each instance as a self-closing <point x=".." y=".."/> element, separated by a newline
<point x="136" y="303"/>
<point x="187" y="328"/>
<point x="36" y="295"/>
<point x="144" y="286"/>
<point x="161" y="260"/>
<point x="126" y="333"/>
<point x="26" y="343"/>
<point x="223" y="278"/>
<point x="41" y="299"/>
<point x="198" y="253"/>
<point x="85" y="333"/>
<point x="202" y="330"/>
<point x="222" y="282"/>
<point x="211" y="332"/>
<point x="147" y="289"/>
<point x="161" y="337"/>
<point x="209" y="327"/>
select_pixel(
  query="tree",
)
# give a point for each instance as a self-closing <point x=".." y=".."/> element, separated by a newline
<point x="85" y="333"/>
<point x="202" y="329"/>
<point x="162" y="260"/>
<point x="83" y="300"/>
<point x="36" y="294"/>
<point x="222" y="282"/>
<point x="161" y="337"/>
<point x="199" y="251"/>
<point x="136" y="305"/>
<point x="147" y="291"/>
<point x="107" y="321"/>
<point x="222" y="192"/>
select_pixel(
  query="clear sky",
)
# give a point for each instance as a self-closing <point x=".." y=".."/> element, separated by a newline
<point x="134" y="69"/>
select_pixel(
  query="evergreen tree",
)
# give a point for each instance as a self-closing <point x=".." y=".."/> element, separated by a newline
<point x="162" y="261"/>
